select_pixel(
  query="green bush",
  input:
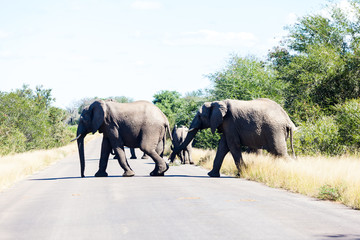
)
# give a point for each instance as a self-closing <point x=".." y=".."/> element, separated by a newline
<point x="246" y="79"/>
<point x="318" y="136"/>
<point x="11" y="140"/>
<point x="206" y="140"/>
<point x="27" y="121"/>
<point x="348" y="120"/>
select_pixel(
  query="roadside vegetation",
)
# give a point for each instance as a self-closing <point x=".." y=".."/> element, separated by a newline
<point x="323" y="177"/>
<point x="15" y="167"/>
<point x="29" y="122"/>
<point x="314" y="74"/>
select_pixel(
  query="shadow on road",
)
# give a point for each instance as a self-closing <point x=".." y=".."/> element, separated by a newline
<point x="119" y="176"/>
<point x="341" y="236"/>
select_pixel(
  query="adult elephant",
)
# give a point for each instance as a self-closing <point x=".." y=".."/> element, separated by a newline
<point x="257" y="124"/>
<point x="178" y="137"/>
<point x="137" y="125"/>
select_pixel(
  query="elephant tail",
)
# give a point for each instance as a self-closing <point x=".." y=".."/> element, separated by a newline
<point x="291" y="130"/>
<point x="168" y="131"/>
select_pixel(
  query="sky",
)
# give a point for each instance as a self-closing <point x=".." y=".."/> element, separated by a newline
<point x="103" y="48"/>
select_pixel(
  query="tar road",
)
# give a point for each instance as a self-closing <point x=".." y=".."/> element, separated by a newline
<point x="184" y="204"/>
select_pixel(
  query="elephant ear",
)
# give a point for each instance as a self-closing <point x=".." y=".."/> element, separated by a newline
<point x="218" y="112"/>
<point x="98" y="110"/>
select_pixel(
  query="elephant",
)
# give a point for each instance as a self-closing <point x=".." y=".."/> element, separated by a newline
<point x="256" y="124"/>
<point x="138" y="124"/>
<point x="133" y="155"/>
<point x="178" y="136"/>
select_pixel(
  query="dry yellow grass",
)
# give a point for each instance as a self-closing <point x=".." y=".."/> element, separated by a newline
<point x="330" y="178"/>
<point x="16" y="167"/>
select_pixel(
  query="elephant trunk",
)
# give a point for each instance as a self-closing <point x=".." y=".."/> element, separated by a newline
<point x="80" y="143"/>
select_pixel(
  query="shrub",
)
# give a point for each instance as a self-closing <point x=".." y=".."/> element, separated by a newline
<point x="11" y="140"/>
<point x="27" y="121"/>
<point x="348" y="120"/>
<point x="318" y="136"/>
<point x="206" y="140"/>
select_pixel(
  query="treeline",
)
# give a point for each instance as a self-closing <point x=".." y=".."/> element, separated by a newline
<point x="28" y="121"/>
<point x="314" y="74"/>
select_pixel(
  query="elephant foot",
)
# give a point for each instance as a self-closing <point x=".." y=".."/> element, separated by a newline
<point x="128" y="173"/>
<point x="101" y="174"/>
<point x="158" y="173"/>
<point x="213" y="174"/>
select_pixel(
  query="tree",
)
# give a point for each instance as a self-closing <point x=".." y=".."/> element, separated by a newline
<point x="246" y="79"/>
<point x="28" y="121"/>
<point x="319" y="61"/>
<point x="170" y="103"/>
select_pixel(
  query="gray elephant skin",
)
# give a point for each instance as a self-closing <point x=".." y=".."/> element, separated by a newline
<point x="256" y="124"/>
<point x="136" y="125"/>
<point x="178" y="137"/>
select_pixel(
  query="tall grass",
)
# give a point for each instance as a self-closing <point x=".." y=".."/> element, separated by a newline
<point x="328" y="178"/>
<point x="16" y="167"/>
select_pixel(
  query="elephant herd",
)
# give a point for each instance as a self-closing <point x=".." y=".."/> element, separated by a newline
<point x="256" y="124"/>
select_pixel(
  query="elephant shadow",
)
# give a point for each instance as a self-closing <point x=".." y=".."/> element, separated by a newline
<point x="120" y="176"/>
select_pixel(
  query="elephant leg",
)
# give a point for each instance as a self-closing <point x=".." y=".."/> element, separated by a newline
<point x="133" y="155"/>
<point x="182" y="157"/>
<point x="160" y="148"/>
<point x="237" y="156"/>
<point x="186" y="156"/>
<point x="278" y="148"/>
<point x="120" y="153"/>
<point x="221" y="152"/>
<point x="160" y="165"/>
<point x="189" y="156"/>
<point x="104" y="158"/>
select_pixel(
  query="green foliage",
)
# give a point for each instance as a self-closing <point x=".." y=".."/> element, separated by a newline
<point x="318" y="136"/>
<point x="319" y="61"/>
<point x="314" y="74"/>
<point x="190" y="106"/>
<point x="206" y="140"/>
<point x="246" y="79"/>
<point x="316" y="81"/>
<point x="170" y="104"/>
<point x="28" y="121"/>
<point x="332" y="135"/>
<point x="11" y="140"/>
<point x="179" y="110"/>
<point x="348" y="120"/>
<point x="328" y="192"/>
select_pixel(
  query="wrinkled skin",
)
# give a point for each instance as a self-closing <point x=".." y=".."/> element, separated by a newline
<point x="257" y="124"/>
<point x="178" y="136"/>
<point x="136" y="125"/>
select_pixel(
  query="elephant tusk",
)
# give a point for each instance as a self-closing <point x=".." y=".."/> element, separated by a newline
<point x="192" y="129"/>
<point x="76" y="138"/>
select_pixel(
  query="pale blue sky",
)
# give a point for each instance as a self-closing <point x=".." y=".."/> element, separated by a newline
<point x="87" y="48"/>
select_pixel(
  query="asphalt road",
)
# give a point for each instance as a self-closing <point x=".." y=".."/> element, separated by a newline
<point x="185" y="204"/>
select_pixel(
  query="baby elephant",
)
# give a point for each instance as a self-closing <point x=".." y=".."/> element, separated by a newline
<point x="178" y="136"/>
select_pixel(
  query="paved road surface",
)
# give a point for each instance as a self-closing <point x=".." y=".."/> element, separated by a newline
<point x="185" y="204"/>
